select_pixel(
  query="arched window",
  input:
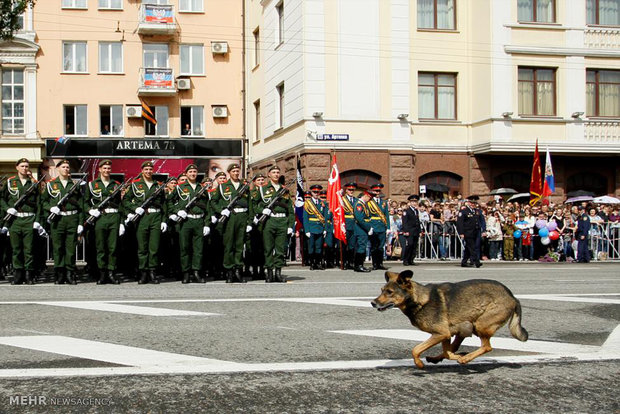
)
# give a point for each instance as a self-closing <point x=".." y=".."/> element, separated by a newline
<point x="516" y="180"/>
<point x="441" y="183"/>
<point x="587" y="181"/>
<point x="363" y="178"/>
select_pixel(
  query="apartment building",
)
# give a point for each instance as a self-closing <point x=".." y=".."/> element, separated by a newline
<point x="449" y="94"/>
<point x="97" y="61"/>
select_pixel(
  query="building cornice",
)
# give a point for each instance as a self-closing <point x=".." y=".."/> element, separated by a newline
<point x="561" y="51"/>
<point x="580" y="148"/>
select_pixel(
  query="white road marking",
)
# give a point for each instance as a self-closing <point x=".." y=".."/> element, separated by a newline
<point x="136" y="310"/>
<point x="571" y="298"/>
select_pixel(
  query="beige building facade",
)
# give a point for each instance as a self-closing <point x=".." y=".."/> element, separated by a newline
<point x="448" y="94"/>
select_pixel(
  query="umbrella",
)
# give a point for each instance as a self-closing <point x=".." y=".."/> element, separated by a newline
<point x="438" y="187"/>
<point x="579" y="198"/>
<point x="606" y="200"/>
<point x="519" y="196"/>
<point x="579" y="193"/>
<point x="500" y="191"/>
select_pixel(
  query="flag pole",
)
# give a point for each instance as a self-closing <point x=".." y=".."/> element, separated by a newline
<point x="339" y="241"/>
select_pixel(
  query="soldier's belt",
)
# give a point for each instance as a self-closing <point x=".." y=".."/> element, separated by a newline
<point x="153" y="210"/>
<point x="110" y="210"/>
<point x="240" y="210"/>
<point x="195" y="216"/>
<point x="376" y="218"/>
<point x="24" y="214"/>
<point x="348" y="216"/>
<point x="68" y="213"/>
<point x="313" y="219"/>
<point x="277" y="215"/>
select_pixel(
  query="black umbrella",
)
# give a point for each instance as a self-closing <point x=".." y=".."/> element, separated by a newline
<point x="501" y="191"/>
<point x="579" y="193"/>
<point x="437" y="187"/>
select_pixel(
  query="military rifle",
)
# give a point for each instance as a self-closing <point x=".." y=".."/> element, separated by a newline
<point x="244" y="189"/>
<point x="196" y="197"/>
<point x="64" y="198"/>
<point x="274" y="199"/>
<point x="91" y="219"/>
<point x="21" y="200"/>
<point x="149" y="200"/>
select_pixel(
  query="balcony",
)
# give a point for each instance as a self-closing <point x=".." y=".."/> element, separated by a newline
<point x="602" y="37"/>
<point x="156" y="19"/>
<point x="156" y="82"/>
<point x="602" y="132"/>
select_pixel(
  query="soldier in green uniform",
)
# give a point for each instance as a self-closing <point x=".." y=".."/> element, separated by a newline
<point x="216" y="250"/>
<point x="255" y="255"/>
<point x="67" y="224"/>
<point x="108" y="226"/>
<point x="278" y="225"/>
<point x="236" y="224"/>
<point x="314" y="223"/>
<point x="23" y="220"/>
<point x="379" y="220"/>
<point x="194" y="224"/>
<point x="150" y="223"/>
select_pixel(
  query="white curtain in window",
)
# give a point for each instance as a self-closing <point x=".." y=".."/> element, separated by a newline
<point x="445" y="103"/>
<point x="590" y="99"/>
<point x="609" y="93"/>
<point x="426" y="102"/>
<point x="609" y="12"/>
<point x="445" y="14"/>
<point x="590" y="11"/>
<point x="545" y="98"/>
<point x="525" y="10"/>
<point x="80" y="120"/>
<point x="426" y="11"/>
<point x="526" y="94"/>
<point x="197" y="60"/>
<point x="544" y="11"/>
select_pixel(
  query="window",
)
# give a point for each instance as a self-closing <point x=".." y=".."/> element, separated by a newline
<point x="74" y="4"/>
<point x="12" y="101"/>
<point x="190" y="6"/>
<point x="192" y="59"/>
<point x="436" y="14"/>
<point x="155" y="55"/>
<point x="192" y="120"/>
<point x="280" y="106"/>
<point x="160" y="2"/>
<point x="20" y="22"/>
<point x="280" y="23"/>
<point x="75" y="120"/>
<point x="536" y="91"/>
<point x="111" y="119"/>
<point x="111" y="4"/>
<point x="539" y="11"/>
<point x="256" y="47"/>
<point x="74" y="56"/>
<point x="437" y="96"/>
<point x="257" y="126"/>
<point x="603" y="93"/>
<point x="161" y="116"/>
<point x="603" y="12"/>
<point x="110" y="57"/>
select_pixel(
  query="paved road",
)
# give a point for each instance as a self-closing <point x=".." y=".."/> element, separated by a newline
<point x="311" y="345"/>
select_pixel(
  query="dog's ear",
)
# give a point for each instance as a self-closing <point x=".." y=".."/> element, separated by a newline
<point x="404" y="277"/>
<point x="390" y="276"/>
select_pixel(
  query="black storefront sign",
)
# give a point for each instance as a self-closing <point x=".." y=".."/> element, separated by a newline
<point x="144" y="147"/>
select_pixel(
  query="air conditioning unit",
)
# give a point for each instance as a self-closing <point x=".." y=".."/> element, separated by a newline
<point x="183" y="84"/>
<point x="219" y="47"/>
<point x="133" y="111"/>
<point x="220" y="111"/>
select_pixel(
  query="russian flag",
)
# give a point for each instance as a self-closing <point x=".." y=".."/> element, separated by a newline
<point x="549" y="184"/>
<point x="62" y="139"/>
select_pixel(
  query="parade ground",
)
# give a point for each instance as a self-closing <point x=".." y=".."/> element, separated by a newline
<point x="311" y="345"/>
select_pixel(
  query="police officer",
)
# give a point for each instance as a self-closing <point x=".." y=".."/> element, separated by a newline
<point x="237" y="222"/>
<point x="278" y="225"/>
<point x="411" y="230"/>
<point x="583" y="229"/>
<point x="151" y="221"/>
<point x="379" y="220"/>
<point x="363" y="229"/>
<point x="194" y="224"/>
<point x="108" y="226"/>
<point x="23" y="219"/>
<point x="468" y="225"/>
<point x="348" y="201"/>
<point x="314" y="223"/>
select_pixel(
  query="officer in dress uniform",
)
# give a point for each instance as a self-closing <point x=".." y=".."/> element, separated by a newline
<point x="278" y="225"/>
<point x="108" y="225"/>
<point x="238" y="222"/>
<point x="363" y="229"/>
<point x="151" y="221"/>
<point x="583" y="230"/>
<point x="23" y="219"/>
<point x="411" y="230"/>
<point x="348" y="202"/>
<point x="468" y="225"/>
<point x="329" y="242"/>
<point x="379" y="221"/>
<point x="315" y="226"/>
<point x="67" y="225"/>
<point x="193" y="224"/>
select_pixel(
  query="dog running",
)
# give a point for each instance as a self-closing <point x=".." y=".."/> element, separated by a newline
<point x="444" y="310"/>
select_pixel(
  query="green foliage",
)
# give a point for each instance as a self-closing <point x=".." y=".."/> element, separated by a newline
<point x="11" y="11"/>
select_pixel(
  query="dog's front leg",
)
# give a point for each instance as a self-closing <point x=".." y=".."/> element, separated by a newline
<point x="429" y="343"/>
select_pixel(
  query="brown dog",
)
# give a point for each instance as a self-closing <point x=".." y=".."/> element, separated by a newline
<point x="458" y="309"/>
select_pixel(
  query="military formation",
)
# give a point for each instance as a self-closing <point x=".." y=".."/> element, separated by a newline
<point x="189" y="230"/>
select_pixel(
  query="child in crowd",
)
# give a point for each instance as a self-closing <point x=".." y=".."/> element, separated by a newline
<point x="509" y="245"/>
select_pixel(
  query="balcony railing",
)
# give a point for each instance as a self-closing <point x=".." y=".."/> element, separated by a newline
<point x="602" y="132"/>
<point x="157" y="82"/>
<point x="602" y="37"/>
<point x="156" y="19"/>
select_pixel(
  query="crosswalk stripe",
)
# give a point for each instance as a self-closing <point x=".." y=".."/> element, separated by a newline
<point x="119" y="308"/>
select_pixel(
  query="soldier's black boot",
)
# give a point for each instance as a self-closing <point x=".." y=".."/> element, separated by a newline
<point x="359" y="263"/>
<point x="269" y="277"/>
<point x="102" y="277"/>
<point x="319" y="261"/>
<point x="185" y="278"/>
<point x="70" y="277"/>
<point x="153" y="277"/>
<point x="112" y="279"/>
<point x="197" y="277"/>
<point x="17" y="277"/>
<point x="230" y="276"/>
<point x="57" y="276"/>
<point x="239" y="275"/>
<point x="29" y="277"/>
<point x="144" y="277"/>
<point x="278" y="276"/>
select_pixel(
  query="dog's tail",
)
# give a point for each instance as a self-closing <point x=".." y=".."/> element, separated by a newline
<point x="516" y="329"/>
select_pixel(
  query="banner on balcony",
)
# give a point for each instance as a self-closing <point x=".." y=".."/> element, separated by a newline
<point x="158" y="78"/>
<point x="158" y="13"/>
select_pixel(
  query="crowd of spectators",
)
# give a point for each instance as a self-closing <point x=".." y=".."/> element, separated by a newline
<point x="514" y="230"/>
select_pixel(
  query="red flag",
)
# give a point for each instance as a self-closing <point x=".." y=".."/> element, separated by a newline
<point x="334" y="200"/>
<point x="536" y="184"/>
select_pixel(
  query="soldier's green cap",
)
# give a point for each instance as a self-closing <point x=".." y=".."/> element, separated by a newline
<point x="233" y="166"/>
<point x="259" y="175"/>
<point x="147" y="164"/>
<point x="219" y="174"/>
<point x="19" y="161"/>
<point x="61" y="162"/>
<point x="274" y="167"/>
<point x="191" y="167"/>
<point x="104" y="162"/>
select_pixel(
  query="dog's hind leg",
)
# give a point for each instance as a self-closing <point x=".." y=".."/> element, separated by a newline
<point x="458" y="340"/>
<point x="429" y="343"/>
<point x="484" y="348"/>
<point x="448" y="350"/>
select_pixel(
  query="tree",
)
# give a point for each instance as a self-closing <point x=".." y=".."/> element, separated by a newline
<point x="11" y="12"/>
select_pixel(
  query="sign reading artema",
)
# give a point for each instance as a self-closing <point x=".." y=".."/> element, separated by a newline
<point x="332" y="137"/>
<point x="158" y="13"/>
<point x="158" y="78"/>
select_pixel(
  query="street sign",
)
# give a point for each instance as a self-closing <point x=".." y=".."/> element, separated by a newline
<point x="423" y="189"/>
<point x="332" y="137"/>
